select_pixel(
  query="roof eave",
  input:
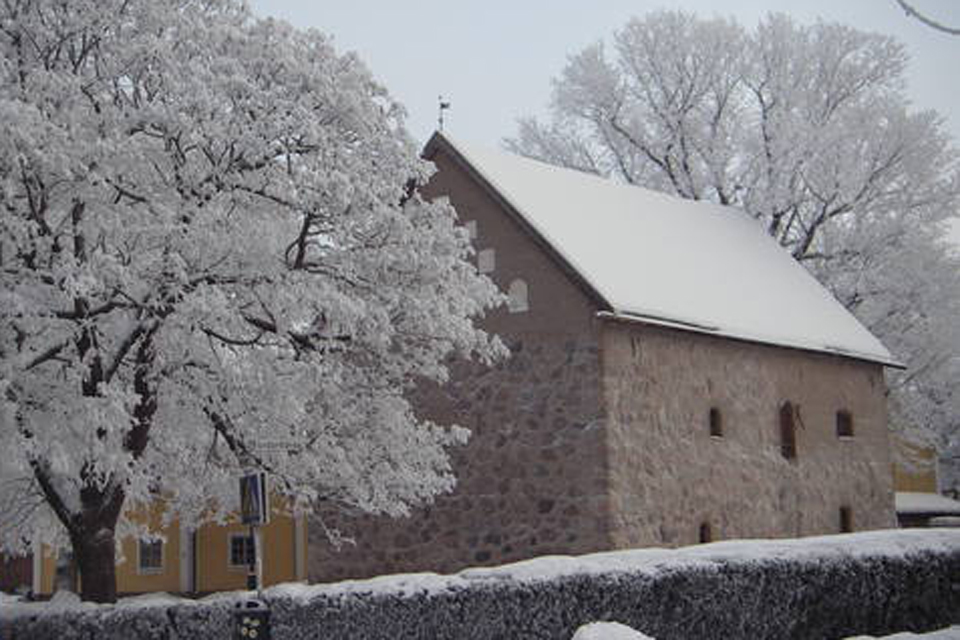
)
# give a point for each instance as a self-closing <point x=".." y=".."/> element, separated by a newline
<point x="684" y="325"/>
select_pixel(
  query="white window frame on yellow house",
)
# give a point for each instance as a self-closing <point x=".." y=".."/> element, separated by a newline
<point x="151" y="570"/>
<point x="246" y="535"/>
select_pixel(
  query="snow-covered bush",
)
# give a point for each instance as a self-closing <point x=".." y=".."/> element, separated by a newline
<point x="831" y="587"/>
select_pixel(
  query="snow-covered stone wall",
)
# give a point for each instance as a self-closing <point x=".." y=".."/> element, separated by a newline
<point x="829" y="587"/>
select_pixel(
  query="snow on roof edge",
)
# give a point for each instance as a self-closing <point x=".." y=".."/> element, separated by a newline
<point x="696" y="327"/>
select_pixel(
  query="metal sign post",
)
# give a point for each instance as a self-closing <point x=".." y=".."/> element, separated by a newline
<point x="252" y="618"/>
<point x="255" y="512"/>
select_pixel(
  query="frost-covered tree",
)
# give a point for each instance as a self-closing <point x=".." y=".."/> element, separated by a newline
<point x="213" y="257"/>
<point x="808" y="129"/>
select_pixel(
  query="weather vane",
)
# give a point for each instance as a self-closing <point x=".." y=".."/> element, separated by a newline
<point x="443" y="107"/>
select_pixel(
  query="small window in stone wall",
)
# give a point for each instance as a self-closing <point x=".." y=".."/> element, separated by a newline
<point x="846" y="520"/>
<point x="716" y="423"/>
<point x="486" y="261"/>
<point x="471" y="226"/>
<point x="844" y="424"/>
<point x="706" y="533"/>
<point x="788" y="432"/>
<point x="517" y="301"/>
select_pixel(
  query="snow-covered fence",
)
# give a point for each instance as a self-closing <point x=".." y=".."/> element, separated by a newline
<point x="869" y="583"/>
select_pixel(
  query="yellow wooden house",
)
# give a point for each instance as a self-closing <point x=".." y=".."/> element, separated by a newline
<point x="179" y="560"/>
<point x="915" y="467"/>
<point x="918" y="499"/>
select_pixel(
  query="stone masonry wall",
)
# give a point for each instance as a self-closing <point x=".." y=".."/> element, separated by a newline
<point x="669" y="475"/>
<point x="532" y="480"/>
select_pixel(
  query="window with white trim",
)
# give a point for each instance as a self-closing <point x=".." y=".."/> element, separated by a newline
<point x="150" y="556"/>
<point x="242" y="551"/>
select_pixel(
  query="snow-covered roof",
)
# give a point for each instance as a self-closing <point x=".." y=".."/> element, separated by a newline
<point x="666" y="260"/>
<point x="916" y="503"/>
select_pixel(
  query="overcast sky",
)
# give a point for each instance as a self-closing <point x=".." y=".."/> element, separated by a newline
<point x="494" y="59"/>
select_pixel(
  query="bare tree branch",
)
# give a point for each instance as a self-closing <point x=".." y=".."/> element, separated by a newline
<point x="933" y="24"/>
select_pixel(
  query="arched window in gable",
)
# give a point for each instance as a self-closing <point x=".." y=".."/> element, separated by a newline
<point x="517" y="297"/>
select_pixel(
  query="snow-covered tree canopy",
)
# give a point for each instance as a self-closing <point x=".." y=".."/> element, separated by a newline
<point x="808" y="129"/>
<point x="212" y="256"/>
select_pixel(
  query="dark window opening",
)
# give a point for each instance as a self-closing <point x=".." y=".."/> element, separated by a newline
<point x="706" y="533"/>
<point x="716" y="423"/>
<point x="788" y="432"/>
<point x="846" y="520"/>
<point x="844" y="424"/>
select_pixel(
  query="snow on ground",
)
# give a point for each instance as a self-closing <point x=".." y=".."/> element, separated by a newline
<point x="608" y="631"/>
<point x="63" y="600"/>
<point x="158" y="599"/>
<point x="952" y="633"/>
<point x="925" y="503"/>
<point x="68" y="601"/>
<point x="617" y="631"/>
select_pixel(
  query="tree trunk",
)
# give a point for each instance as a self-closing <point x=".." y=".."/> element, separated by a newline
<point x="94" y="550"/>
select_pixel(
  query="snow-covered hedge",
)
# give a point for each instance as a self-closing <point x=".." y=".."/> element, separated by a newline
<point x="870" y="583"/>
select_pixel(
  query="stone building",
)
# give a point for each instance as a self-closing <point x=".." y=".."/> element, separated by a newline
<point x="676" y="377"/>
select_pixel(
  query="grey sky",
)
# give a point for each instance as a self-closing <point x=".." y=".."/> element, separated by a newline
<point x="494" y="59"/>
